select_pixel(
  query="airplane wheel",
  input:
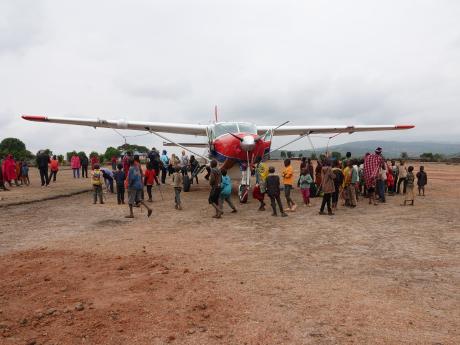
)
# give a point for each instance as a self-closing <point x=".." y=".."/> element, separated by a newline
<point x="243" y="194"/>
<point x="186" y="183"/>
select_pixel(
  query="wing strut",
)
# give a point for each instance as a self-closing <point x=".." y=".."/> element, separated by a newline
<point x="177" y="144"/>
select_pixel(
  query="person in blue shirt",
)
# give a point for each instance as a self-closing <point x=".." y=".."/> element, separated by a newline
<point x="226" y="191"/>
<point x="119" y="177"/>
<point x="164" y="166"/>
<point x="135" y="188"/>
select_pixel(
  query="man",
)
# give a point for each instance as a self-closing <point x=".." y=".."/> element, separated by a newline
<point x="349" y="184"/>
<point x="84" y="166"/>
<point x="372" y="165"/>
<point x="184" y="162"/>
<point x="154" y="158"/>
<point x="402" y="170"/>
<point x="135" y="188"/>
<point x="355" y="177"/>
<point x="43" y="159"/>
<point x="215" y="180"/>
<point x="164" y="166"/>
<point x="2" y="181"/>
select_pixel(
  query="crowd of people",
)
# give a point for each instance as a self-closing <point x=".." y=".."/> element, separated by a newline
<point x="334" y="181"/>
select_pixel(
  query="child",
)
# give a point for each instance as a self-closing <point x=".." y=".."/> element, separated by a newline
<point x="261" y="171"/>
<point x="54" y="167"/>
<point x="304" y="183"/>
<point x="422" y="180"/>
<point x="341" y="181"/>
<point x="96" y="181"/>
<point x="177" y="184"/>
<point x="273" y="191"/>
<point x="135" y="188"/>
<point x="409" y="195"/>
<point x="119" y="177"/>
<point x="150" y="176"/>
<point x="226" y="191"/>
<point x="25" y="173"/>
<point x="215" y="179"/>
<point x="288" y="178"/>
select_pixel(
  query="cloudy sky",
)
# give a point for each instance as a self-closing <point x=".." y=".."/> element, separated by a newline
<point x="310" y="62"/>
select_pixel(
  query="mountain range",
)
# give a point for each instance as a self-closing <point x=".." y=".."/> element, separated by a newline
<point x="391" y="149"/>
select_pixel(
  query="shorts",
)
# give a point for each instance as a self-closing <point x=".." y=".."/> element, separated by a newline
<point x="134" y="196"/>
<point x="287" y="190"/>
<point x="214" y="196"/>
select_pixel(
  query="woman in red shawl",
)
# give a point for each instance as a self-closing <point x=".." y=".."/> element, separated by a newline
<point x="9" y="170"/>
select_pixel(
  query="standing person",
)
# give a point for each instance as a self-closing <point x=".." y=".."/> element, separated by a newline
<point x="402" y="169"/>
<point x="340" y="183"/>
<point x="372" y="164"/>
<point x="126" y="159"/>
<point x="422" y="181"/>
<point x="178" y="180"/>
<point x="382" y="182"/>
<point x="395" y="173"/>
<point x="184" y="163"/>
<point x="19" y="171"/>
<point x="261" y="182"/>
<point x="318" y="174"/>
<point x="327" y="186"/>
<point x="96" y="181"/>
<point x="154" y="158"/>
<point x="273" y="191"/>
<point x="2" y="181"/>
<point x="350" y="182"/>
<point x="288" y="180"/>
<point x="9" y="170"/>
<point x="194" y="168"/>
<point x="390" y="180"/>
<point x="25" y="173"/>
<point x="134" y="182"/>
<point x="54" y="168"/>
<point x="43" y="159"/>
<point x="226" y="191"/>
<point x="215" y="180"/>
<point x="305" y="180"/>
<point x="84" y="165"/>
<point x="410" y="179"/>
<point x="303" y="163"/>
<point x="164" y="165"/>
<point x="119" y="177"/>
<point x="114" y="163"/>
<point x="75" y="165"/>
<point x="149" y="178"/>
<point x="355" y="180"/>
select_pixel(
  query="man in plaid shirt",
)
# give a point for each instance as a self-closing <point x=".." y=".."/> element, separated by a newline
<point x="372" y="164"/>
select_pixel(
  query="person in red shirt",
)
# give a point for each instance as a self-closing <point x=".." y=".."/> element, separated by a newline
<point x="54" y="167"/>
<point x="150" y="177"/>
<point x="94" y="161"/>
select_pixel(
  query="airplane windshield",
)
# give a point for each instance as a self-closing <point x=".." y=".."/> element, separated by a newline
<point x="233" y="127"/>
<point x="224" y="128"/>
<point x="247" y="128"/>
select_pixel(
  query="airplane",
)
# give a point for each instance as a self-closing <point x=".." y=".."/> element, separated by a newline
<point x="231" y="143"/>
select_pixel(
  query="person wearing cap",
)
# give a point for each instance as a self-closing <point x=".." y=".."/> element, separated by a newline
<point x="372" y="165"/>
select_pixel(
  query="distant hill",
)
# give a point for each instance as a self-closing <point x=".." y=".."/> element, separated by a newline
<point x="391" y="149"/>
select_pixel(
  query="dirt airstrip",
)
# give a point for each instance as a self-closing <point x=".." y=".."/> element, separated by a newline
<point x="76" y="273"/>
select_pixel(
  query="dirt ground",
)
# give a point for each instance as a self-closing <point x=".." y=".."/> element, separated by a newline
<point x="76" y="273"/>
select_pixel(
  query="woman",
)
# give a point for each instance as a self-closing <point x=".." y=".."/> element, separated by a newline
<point x="9" y="170"/>
<point x="75" y="165"/>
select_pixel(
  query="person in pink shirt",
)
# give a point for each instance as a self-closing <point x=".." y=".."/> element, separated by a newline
<point x="75" y="165"/>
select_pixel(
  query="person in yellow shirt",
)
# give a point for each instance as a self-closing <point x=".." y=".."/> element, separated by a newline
<point x="261" y="171"/>
<point x="96" y="181"/>
<point x="288" y="180"/>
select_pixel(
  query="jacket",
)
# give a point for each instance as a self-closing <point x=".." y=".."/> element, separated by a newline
<point x="75" y="162"/>
<point x="42" y="161"/>
<point x="288" y="175"/>
<point x="273" y="185"/>
<point x="327" y="180"/>
<point x="305" y="181"/>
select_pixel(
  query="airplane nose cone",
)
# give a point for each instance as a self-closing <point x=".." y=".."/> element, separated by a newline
<point x="248" y="143"/>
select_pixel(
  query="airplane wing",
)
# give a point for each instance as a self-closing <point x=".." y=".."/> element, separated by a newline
<point x="177" y="128"/>
<point x="302" y="130"/>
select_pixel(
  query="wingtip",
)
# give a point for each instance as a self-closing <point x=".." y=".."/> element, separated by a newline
<point x="405" y="126"/>
<point x="37" y="118"/>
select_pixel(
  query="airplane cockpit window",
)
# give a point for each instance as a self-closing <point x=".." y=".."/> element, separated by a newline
<point x="247" y="128"/>
<point x="224" y="128"/>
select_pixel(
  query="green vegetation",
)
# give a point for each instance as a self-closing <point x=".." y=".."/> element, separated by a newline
<point x="15" y="147"/>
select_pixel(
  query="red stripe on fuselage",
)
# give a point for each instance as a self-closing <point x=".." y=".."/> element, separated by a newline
<point x="230" y="147"/>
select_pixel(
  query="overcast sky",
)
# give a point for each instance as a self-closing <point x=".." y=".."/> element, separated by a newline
<point x="310" y="62"/>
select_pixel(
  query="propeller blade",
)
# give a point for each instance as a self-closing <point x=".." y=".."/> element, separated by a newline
<point x="237" y="137"/>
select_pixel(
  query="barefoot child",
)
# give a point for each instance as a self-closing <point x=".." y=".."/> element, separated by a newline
<point x="273" y="191"/>
<point x="422" y="180"/>
<point x="305" y="180"/>
<point x="135" y="188"/>
<point x="150" y="177"/>
<point x="25" y="173"/>
<point x="288" y="179"/>
<point x="177" y="179"/>
<point x="226" y="191"/>
<point x="409" y="195"/>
